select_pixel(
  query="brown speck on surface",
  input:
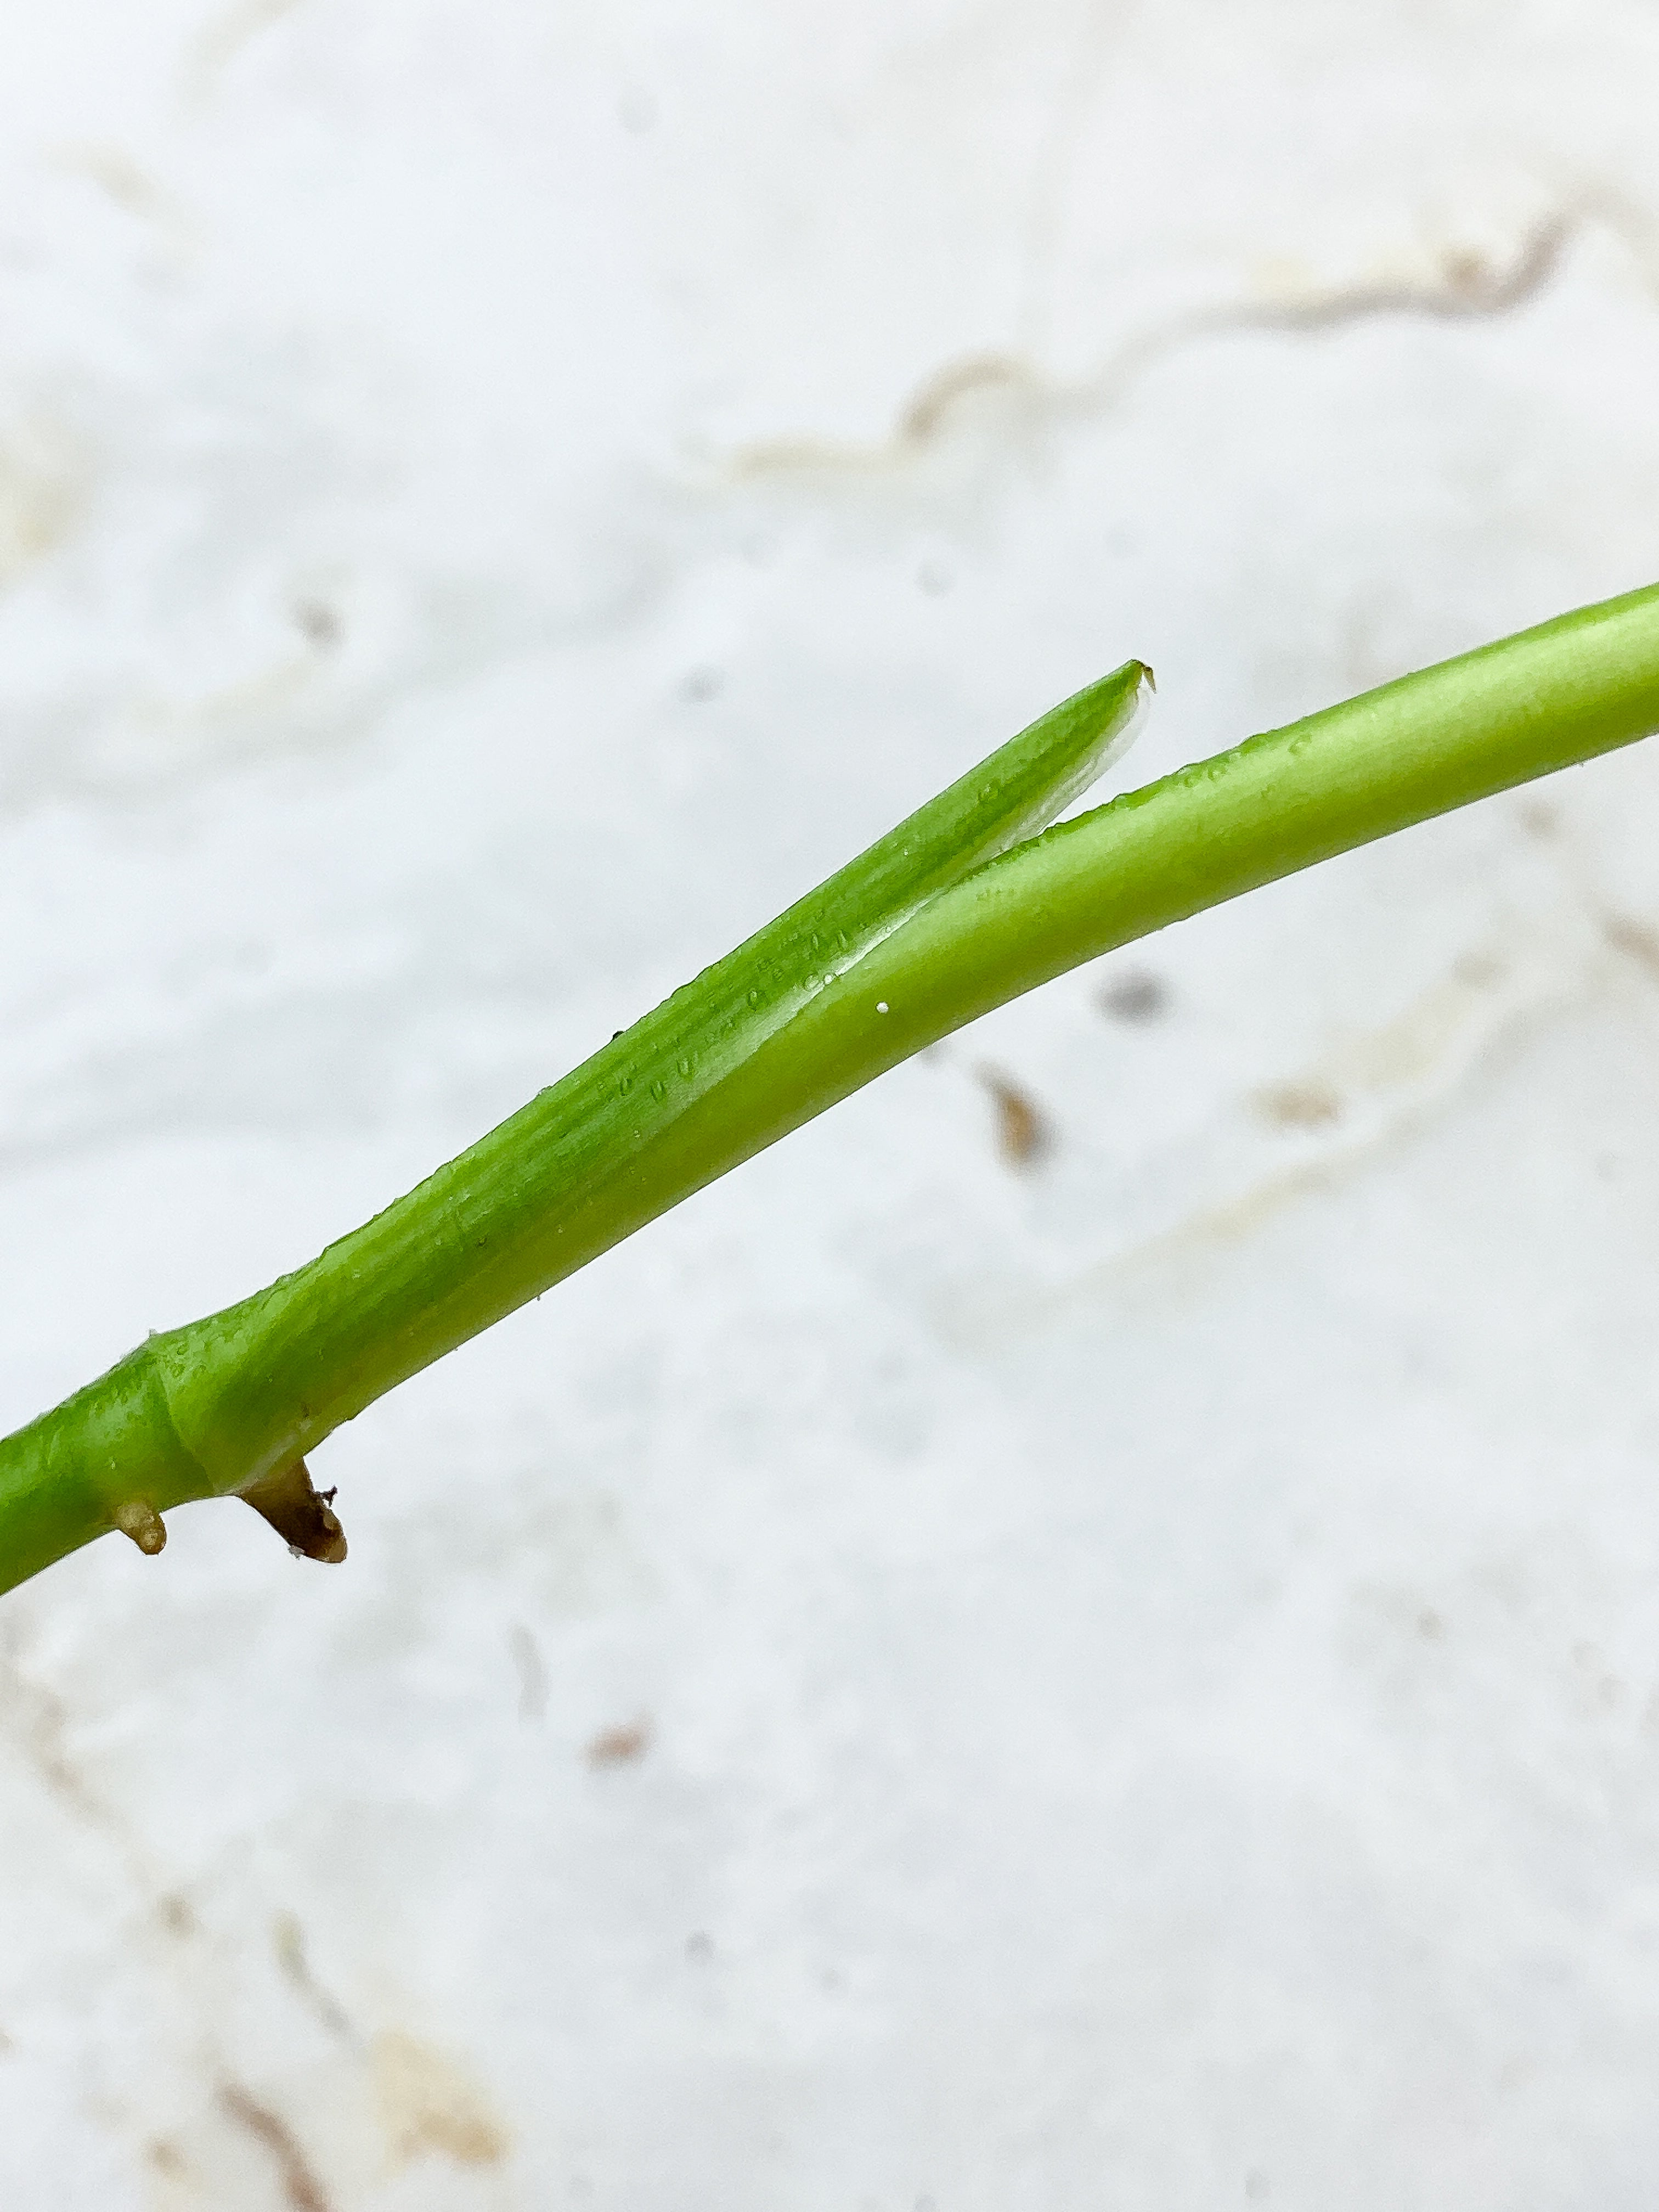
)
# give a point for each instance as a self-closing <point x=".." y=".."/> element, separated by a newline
<point x="1540" y="818"/>
<point x="1023" y="1134"/>
<point x="287" y="1941"/>
<point x="1299" y="1105"/>
<point x="427" y="2105"/>
<point x="168" y="2159"/>
<point x="532" y="1672"/>
<point x="306" y="1522"/>
<point x="1635" y="939"/>
<point x="137" y="1518"/>
<point x="699" y="1946"/>
<point x="316" y="623"/>
<point x="303" y="2191"/>
<point x="1478" y="971"/>
<point x="176" y="1916"/>
<point x="1467" y="272"/>
<point x="620" y="1745"/>
<point x="1137" y="997"/>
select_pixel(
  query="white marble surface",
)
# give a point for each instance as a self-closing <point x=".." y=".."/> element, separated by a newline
<point x="1133" y="1682"/>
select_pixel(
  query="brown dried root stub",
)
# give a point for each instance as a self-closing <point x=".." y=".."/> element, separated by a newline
<point x="303" y="1517"/>
<point x="137" y="1518"/>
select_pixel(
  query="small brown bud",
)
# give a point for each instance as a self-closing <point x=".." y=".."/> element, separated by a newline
<point x="306" y="1523"/>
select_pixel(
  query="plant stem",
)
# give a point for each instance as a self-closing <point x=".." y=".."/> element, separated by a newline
<point x="948" y="916"/>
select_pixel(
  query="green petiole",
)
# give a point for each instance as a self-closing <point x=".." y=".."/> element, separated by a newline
<point x="961" y="908"/>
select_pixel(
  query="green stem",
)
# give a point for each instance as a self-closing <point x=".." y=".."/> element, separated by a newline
<point x="948" y="916"/>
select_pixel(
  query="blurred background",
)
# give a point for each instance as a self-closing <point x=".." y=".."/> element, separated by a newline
<point x="1085" y="1632"/>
